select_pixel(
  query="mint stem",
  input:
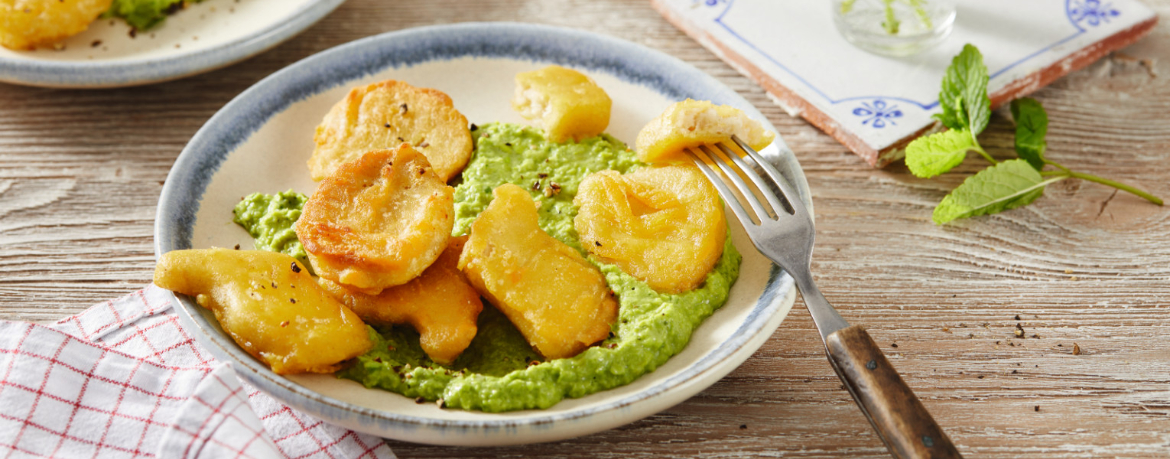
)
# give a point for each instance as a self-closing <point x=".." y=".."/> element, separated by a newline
<point x="1104" y="181"/>
<point x="921" y="12"/>
<point x="891" y="22"/>
<point x="1118" y="185"/>
<point x="983" y="152"/>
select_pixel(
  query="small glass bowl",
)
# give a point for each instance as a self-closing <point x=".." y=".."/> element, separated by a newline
<point x="894" y="27"/>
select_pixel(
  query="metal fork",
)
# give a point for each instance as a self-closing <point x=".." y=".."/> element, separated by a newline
<point x="785" y="235"/>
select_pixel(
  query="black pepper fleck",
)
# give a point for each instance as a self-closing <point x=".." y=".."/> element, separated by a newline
<point x="1037" y="409"/>
<point x="292" y="300"/>
<point x="894" y="345"/>
<point x="404" y="108"/>
<point x="237" y="247"/>
<point x="474" y="127"/>
<point x="295" y="268"/>
<point x="420" y="400"/>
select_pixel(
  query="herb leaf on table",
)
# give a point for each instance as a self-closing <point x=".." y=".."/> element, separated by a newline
<point x="963" y="98"/>
<point x="937" y="153"/>
<point x="1031" y="128"/>
<point x="966" y="111"/>
<point x="1004" y="186"/>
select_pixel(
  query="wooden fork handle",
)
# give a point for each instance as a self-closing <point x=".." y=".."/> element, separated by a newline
<point x="903" y="423"/>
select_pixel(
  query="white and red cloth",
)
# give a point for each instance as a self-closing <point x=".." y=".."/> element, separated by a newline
<point x="124" y="379"/>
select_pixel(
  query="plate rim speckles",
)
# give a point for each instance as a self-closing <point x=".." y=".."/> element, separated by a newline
<point x="634" y="64"/>
<point x="171" y="65"/>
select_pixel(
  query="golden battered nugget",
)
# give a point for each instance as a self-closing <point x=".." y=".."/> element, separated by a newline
<point x="663" y="225"/>
<point x="26" y="24"/>
<point x="558" y="301"/>
<point x="378" y="221"/>
<point x="691" y="123"/>
<point x="270" y="305"/>
<point x="566" y="103"/>
<point x="440" y="304"/>
<point x="383" y="115"/>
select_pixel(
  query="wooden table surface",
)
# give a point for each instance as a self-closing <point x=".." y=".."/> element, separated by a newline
<point x="1084" y="267"/>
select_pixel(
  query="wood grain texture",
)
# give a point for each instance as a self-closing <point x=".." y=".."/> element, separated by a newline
<point x="80" y="174"/>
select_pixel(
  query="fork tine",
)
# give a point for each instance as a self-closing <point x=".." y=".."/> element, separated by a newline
<point x="743" y="187"/>
<point x="789" y="195"/>
<point x="728" y="196"/>
<point x="769" y="194"/>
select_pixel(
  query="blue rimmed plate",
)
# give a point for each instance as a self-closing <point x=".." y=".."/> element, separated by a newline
<point x="202" y="37"/>
<point x="262" y="139"/>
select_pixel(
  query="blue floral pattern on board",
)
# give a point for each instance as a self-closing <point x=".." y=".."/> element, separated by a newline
<point x="878" y="113"/>
<point x="1092" y="11"/>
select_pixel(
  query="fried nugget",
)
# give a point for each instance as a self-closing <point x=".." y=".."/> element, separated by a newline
<point x="378" y="221"/>
<point x="663" y="225"/>
<point x="270" y="305"/>
<point x="26" y="24"/>
<point x="558" y="301"/>
<point x="440" y="304"/>
<point x="568" y="104"/>
<point x="386" y="114"/>
<point x="691" y="123"/>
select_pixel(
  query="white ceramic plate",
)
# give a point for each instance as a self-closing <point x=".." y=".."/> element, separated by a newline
<point x="261" y="140"/>
<point x="203" y="37"/>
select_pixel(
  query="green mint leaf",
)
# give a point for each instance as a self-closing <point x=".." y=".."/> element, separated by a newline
<point x="1004" y="186"/>
<point x="963" y="97"/>
<point x="1031" y="128"/>
<point x="937" y="153"/>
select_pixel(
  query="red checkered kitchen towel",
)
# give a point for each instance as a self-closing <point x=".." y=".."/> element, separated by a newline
<point x="124" y="379"/>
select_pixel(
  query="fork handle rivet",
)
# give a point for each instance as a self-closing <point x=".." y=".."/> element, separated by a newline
<point x="871" y="365"/>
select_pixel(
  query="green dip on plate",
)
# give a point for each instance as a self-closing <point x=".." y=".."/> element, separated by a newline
<point x="499" y="371"/>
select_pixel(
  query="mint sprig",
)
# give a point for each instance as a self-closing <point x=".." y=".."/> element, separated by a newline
<point x="966" y="111"/>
